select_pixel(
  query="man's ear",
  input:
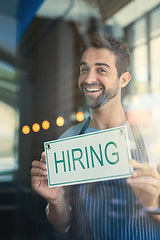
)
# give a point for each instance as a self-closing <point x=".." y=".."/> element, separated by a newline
<point x="124" y="79"/>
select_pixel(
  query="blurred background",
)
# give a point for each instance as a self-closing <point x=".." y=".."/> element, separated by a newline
<point x="39" y="96"/>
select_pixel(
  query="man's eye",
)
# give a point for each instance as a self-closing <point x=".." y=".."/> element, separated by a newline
<point x="83" y="70"/>
<point x="101" y="70"/>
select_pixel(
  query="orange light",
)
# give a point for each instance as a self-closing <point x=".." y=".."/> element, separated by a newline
<point x="36" y="127"/>
<point x="25" y="129"/>
<point x="60" y="121"/>
<point x="45" y="125"/>
<point x="80" y="116"/>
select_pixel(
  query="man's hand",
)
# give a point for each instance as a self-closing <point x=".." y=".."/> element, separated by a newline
<point x="39" y="181"/>
<point x="58" y="211"/>
<point x="145" y="182"/>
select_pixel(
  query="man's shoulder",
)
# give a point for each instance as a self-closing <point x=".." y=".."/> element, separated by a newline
<point x="74" y="130"/>
<point x="144" y="121"/>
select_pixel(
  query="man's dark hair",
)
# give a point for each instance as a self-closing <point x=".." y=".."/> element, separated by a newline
<point x="119" y="48"/>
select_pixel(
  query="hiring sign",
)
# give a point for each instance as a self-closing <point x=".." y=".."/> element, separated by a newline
<point x="92" y="157"/>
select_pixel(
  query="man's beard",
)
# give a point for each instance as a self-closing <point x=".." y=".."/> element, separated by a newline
<point x="100" y="101"/>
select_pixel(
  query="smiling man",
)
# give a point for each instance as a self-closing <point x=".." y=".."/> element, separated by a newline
<point x="98" y="80"/>
<point x="117" y="209"/>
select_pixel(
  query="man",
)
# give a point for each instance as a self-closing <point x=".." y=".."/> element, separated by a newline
<point x="114" y="209"/>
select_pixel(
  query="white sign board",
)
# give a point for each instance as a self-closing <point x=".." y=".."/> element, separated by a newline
<point x="92" y="157"/>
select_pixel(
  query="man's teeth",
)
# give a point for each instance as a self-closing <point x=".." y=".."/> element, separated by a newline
<point x="93" y="89"/>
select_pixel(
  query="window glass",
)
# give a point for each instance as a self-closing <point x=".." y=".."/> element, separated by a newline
<point x="138" y="33"/>
<point x="155" y="65"/>
<point x="8" y="119"/>
<point x="155" y="22"/>
<point x="140" y="70"/>
<point x="7" y="141"/>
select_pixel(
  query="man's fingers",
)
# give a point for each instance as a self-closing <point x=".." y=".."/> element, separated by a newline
<point x="35" y="171"/>
<point x="148" y="188"/>
<point x="38" y="164"/>
<point x="143" y="170"/>
<point x="37" y="181"/>
<point x="146" y="180"/>
<point x="39" y="178"/>
<point x="43" y="157"/>
<point x="35" y="184"/>
<point x="138" y="165"/>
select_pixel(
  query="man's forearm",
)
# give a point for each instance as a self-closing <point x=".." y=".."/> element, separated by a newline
<point x="59" y="215"/>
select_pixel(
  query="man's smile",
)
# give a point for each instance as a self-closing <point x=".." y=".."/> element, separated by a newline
<point x="92" y="90"/>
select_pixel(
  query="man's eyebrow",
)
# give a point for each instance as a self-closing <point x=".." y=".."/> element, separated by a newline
<point x="83" y="63"/>
<point x="97" y="64"/>
<point x="102" y="64"/>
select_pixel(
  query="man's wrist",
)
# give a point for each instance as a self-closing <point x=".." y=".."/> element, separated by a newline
<point x="155" y="211"/>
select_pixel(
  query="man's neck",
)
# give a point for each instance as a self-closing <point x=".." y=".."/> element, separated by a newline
<point x="107" y="117"/>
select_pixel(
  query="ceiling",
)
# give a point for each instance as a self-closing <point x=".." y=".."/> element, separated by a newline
<point x="74" y="10"/>
<point x="109" y="11"/>
<point x="16" y="15"/>
<point x="77" y="10"/>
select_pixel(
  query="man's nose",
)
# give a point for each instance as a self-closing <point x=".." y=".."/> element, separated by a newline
<point x="90" y="77"/>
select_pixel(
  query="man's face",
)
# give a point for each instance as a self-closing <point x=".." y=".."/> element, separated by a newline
<point x="98" y="78"/>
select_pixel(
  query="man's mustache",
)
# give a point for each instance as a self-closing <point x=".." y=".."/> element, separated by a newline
<point x="90" y="85"/>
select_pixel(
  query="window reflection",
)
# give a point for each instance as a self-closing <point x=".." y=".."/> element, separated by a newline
<point x="7" y="130"/>
<point x="155" y="65"/>
<point x="140" y="69"/>
<point x="155" y="26"/>
<point x="8" y="118"/>
<point x="138" y="33"/>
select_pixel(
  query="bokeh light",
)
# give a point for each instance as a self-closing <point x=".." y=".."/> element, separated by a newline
<point x="25" y="129"/>
<point x="36" y="127"/>
<point x="60" y="121"/>
<point x="45" y="125"/>
<point x="80" y="116"/>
